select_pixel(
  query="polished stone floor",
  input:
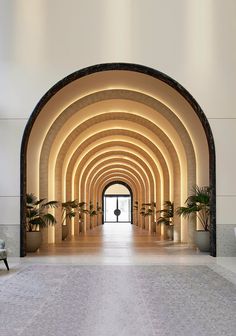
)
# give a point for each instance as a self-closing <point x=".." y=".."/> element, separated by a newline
<point x="118" y="300"/>
<point x="118" y="280"/>
<point x="116" y="243"/>
<point x="124" y="244"/>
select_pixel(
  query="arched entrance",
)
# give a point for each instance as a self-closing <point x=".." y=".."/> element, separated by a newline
<point x="118" y="121"/>
<point x="117" y="203"/>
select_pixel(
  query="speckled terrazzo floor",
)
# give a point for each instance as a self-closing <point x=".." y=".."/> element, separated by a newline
<point x="120" y="300"/>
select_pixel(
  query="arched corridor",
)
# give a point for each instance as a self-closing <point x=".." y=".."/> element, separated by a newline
<point x="118" y="122"/>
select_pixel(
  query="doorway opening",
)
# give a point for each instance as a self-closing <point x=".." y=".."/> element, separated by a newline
<point x="117" y="209"/>
<point x="117" y="204"/>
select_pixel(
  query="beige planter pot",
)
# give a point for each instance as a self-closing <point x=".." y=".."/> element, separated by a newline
<point x="33" y="241"/>
<point x="154" y="227"/>
<point x="170" y="232"/>
<point x="81" y="226"/>
<point x="64" y="231"/>
<point x="202" y="240"/>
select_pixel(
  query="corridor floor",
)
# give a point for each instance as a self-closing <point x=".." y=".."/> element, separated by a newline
<point x="124" y="244"/>
<point x="117" y="243"/>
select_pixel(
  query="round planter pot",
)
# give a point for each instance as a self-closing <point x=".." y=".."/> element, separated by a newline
<point x="170" y="232"/>
<point x="64" y="231"/>
<point x="154" y="227"/>
<point x="202" y="240"/>
<point x="81" y="226"/>
<point x="33" y="241"/>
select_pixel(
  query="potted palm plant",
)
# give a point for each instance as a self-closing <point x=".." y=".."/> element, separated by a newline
<point x="198" y="204"/>
<point x="91" y="212"/>
<point x="98" y="211"/>
<point x="146" y="211"/>
<point x="135" y="209"/>
<point x="37" y="217"/>
<point x="68" y="211"/>
<point x="81" y="211"/>
<point x="166" y="218"/>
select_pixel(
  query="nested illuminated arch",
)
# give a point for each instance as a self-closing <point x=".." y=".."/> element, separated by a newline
<point x="182" y="131"/>
<point x="58" y="179"/>
<point x="125" y="142"/>
<point x="146" y="186"/>
<point x="127" y="162"/>
<point x="96" y="133"/>
<point x="114" y="177"/>
<point x="176" y="180"/>
<point x="80" y="156"/>
<point x="108" y="167"/>
<point x="112" y="170"/>
<point x="149" y="82"/>
<point x="87" y="192"/>
<point x="110" y="164"/>
<point x="109" y="175"/>
<point x="127" y="175"/>
<point x="123" y="155"/>
<point x="118" y="167"/>
<point x="107" y="172"/>
<point x="121" y="152"/>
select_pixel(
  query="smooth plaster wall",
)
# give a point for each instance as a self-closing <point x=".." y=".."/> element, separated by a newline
<point x="193" y="41"/>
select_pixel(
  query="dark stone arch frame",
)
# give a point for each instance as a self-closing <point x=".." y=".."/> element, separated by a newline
<point x="111" y="67"/>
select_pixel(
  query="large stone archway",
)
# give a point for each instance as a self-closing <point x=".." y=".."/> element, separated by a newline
<point x="123" y="118"/>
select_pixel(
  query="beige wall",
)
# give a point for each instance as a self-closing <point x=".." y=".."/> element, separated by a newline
<point x="193" y="41"/>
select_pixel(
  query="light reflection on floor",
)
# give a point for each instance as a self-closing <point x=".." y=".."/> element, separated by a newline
<point x="118" y="242"/>
<point x="123" y="244"/>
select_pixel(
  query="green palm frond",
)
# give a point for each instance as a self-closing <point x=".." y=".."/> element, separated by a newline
<point x="135" y="206"/>
<point x="99" y="209"/>
<point x="51" y="204"/>
<point x="31" y="199"/>
<point x="142" y="211"/>
<point x="166" y="214"/>
<point x="71" y="214"/>
<point x="146" y="209"/>
<point x="163" y="220"/>
<point x="69" y="210"/>
<point x="82" y="204"/>
<point x="49" y="219"/>
<point x="70" y="204"/>
<point x="36" y="215"/>
<point x="198" y="203"/>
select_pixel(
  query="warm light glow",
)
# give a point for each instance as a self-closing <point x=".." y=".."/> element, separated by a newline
<point x="152" y="140"/>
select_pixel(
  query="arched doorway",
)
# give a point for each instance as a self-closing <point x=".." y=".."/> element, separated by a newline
<point x="117" y="203"/>
<point x="117" y="121"/>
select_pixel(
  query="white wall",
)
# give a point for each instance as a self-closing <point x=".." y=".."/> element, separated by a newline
<point x="193" y="41"/>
